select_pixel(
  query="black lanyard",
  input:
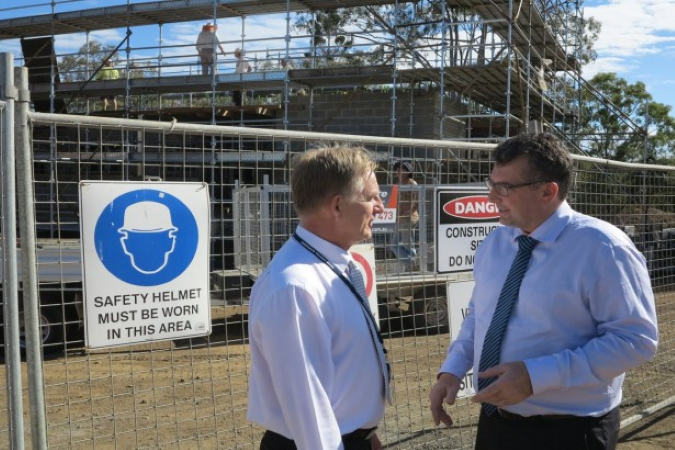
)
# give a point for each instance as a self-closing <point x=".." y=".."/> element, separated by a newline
<point x="346" y="281"/>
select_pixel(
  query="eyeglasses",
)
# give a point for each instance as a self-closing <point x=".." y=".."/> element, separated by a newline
<point x="504" y="188"/>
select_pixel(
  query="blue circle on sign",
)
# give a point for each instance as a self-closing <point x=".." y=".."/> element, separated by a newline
<point x="146" y="237"/>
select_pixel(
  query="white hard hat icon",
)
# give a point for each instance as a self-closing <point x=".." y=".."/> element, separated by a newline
<point x="147" y="217"/>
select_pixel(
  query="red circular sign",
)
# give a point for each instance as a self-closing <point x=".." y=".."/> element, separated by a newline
<point x="367" y="269"/>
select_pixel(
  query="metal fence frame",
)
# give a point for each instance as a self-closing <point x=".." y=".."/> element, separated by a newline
<point x="416" y="357"/>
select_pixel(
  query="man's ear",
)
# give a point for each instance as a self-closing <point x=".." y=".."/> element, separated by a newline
<point x="335" y="205"/>
<point x="551" y="191"/>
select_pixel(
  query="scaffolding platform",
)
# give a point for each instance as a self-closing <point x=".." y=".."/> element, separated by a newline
<point x="486" y="84"/>
<point x="160" y="12"/>
<point x="529" y="29"/>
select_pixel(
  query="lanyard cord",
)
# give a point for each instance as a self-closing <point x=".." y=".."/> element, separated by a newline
<point x="349" y="284"/>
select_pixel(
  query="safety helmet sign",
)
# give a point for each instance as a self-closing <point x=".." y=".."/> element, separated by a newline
<point x="146" y="237"/>
<point x="145" y="260"/>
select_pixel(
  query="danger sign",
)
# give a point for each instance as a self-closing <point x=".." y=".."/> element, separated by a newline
<point x="465" y="218"/>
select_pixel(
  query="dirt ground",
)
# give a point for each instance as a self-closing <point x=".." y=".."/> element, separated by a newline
<point x="654" y="433"/>
<point x="192" y="394"/>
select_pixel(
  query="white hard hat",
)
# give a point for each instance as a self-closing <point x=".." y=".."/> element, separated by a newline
<point x="147" y="217"/>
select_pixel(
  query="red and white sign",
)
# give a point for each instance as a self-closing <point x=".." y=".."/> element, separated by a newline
<point x="465" y="217"/>
<point x="472" y="207"/>
<point x="389" y="196"/>
<point x="364" y="255"/>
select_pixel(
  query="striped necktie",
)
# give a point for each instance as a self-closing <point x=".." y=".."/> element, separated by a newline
<point x="507" y="299"/>
<point x="378" y="342"/>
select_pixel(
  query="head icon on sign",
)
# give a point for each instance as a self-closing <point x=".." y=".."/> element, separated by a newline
<point x="148" y="236"/>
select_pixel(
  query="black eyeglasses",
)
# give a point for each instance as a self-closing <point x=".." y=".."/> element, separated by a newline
<point x="504" y="188"/>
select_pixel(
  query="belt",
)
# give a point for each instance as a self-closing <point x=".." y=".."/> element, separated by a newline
<point x="361" y="434"/>
<point x="546" y="417"/>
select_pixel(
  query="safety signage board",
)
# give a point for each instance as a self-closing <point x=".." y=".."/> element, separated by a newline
<point x="364" y="256"/>
<point x="459" y="296"/>
<point x="465" y="217"/>
<point x="145" y="254"/>
<point x="387" y="219"/>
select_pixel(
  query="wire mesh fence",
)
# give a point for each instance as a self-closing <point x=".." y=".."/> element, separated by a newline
<point x="192" y="393"/>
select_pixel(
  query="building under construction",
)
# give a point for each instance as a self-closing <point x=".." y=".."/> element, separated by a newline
<point x="459" y="69"/>
<point x="430" y="83"/>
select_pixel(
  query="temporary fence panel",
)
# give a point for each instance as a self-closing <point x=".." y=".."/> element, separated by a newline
<point x="192" y="393"/>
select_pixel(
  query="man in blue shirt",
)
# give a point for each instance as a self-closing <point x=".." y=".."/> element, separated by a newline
<point x="583" y="315"/>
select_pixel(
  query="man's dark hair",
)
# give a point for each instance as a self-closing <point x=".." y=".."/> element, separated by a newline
<point x="546" y="155"/>
<point x="407" y="165"/>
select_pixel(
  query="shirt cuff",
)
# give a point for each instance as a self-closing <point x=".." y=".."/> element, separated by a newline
<point x="453" y="368"/>
<point x="543" y="374"/>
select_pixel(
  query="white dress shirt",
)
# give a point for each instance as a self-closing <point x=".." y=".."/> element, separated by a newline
<point x="206" y="40"/>
<point x="314" y="371"/>
<point x="584" y="316"/>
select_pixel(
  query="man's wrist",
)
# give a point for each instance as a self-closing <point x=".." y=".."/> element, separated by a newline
<point x="452" y="375"/>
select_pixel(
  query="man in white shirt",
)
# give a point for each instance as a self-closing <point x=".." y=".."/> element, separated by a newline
<point x="582" y="316"/>
<point x="242" y="66"/>
<point x="207" y="41"/>
<point x="318" y="379"/>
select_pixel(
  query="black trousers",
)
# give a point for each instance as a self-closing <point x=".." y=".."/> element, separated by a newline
<point x="274" y="441"/>
<point x="542" y="432"/>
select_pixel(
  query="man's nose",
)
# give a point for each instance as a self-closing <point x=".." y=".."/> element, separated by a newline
<point x="379" y="206"/>
<point x="493" y="196"/>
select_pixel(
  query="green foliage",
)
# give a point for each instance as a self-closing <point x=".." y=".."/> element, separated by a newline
<point x="620" y="130"/>
<point x="81" y="65"/>
<point x="415" y="30"/>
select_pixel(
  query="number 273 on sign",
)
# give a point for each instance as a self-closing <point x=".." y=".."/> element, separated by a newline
<point x="386" y="216"/>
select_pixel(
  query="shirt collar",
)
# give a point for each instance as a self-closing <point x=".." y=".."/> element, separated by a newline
<point x="552" y="227"/>
<point x="336" y="255"/>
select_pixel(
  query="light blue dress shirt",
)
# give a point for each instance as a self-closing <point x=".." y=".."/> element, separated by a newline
<point x="585" y="314"/>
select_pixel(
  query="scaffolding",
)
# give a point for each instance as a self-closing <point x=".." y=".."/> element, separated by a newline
<point x="485" y="69"/>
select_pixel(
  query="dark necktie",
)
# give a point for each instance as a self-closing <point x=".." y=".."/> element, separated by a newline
<point x="507" y="299"/>
<point x="357" y="281"/>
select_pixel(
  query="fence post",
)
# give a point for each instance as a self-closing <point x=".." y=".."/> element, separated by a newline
<point x="10" y="284"/>
<point x="31" y="305"/>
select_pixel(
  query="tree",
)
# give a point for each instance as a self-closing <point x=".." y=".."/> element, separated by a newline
<point x="418" y="27"/>
<point x="81" y="65"/>
<point x="328" y="40"/>
<point x="618" y="118"/>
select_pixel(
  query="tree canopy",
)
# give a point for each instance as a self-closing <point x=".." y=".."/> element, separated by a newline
<point x="618" y="118"/>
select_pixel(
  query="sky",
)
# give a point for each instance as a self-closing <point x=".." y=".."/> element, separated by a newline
<point x="637" y="40"/>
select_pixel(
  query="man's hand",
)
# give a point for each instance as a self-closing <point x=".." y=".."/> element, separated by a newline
<point x="445" y="389"/>
<point x="513" y="385"/>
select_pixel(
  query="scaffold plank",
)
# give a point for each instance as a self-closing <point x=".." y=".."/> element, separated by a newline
<point x="486" y="84"/>
<point x="159" y="12"/>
